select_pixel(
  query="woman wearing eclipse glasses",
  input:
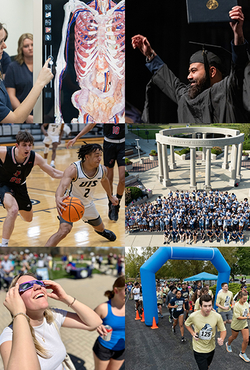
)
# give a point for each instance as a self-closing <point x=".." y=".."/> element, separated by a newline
<point x="32" y="341"/>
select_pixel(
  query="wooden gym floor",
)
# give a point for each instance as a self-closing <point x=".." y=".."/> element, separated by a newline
<point x="42" y="188"/>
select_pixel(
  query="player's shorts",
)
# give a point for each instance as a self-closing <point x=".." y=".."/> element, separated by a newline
<point x="105" y="354"/>
<point x="203" y="360"/>
<point x="50" y="139"/>
<point x="176" y="314"/>
<point x="113" y="152"/>
<point x="20" y="193"/>
<point x="237" y="331"/>
<point x="226" y="315"/>
<point x="90" y="214"/>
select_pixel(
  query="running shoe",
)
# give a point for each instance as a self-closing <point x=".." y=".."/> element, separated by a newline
<point x="183" y="340"/>
<point x="161" y="316"/>
<point x="173" y="329"/>
<point x="108" y="234"/>
<point x="110" y="210"/>
<point x="114" y="212"/>
<point x="170" y="320"/>
<point x="228" y="348"/>
<point x="244" y="357"/>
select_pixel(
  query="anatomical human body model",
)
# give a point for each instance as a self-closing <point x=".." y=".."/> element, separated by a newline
<point x="99" y="43"/>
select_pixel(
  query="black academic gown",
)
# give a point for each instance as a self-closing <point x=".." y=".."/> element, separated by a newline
<point x="224" y="102"/>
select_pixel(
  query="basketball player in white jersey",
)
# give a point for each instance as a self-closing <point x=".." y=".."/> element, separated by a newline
<point x="52" y="136"/>
<point x="80" y="180"/>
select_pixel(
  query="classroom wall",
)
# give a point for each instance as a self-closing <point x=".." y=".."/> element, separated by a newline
<point x="17" y="16"/>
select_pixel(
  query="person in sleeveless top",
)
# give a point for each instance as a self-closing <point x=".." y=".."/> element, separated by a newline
<point x="16" y="163"/>
<point x="32" y="341"/>
<point x="114" y="151"/>
<point x="109" y="352"/>
<point x="80" y="180"/>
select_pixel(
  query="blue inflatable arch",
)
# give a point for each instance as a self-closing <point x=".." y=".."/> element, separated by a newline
<point x="157" y="260"/>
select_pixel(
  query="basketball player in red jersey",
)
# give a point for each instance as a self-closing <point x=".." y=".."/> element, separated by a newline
<point x="16" y="164"/>
<point x="113" y="150"/>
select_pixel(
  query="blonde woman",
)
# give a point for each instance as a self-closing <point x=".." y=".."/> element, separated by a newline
<point x="32" y="341"/>
<point x="19" y="75"/>
<point x="109" y="348"/>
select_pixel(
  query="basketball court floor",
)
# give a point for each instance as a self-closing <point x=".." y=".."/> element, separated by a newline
<point x="41" y="189"/>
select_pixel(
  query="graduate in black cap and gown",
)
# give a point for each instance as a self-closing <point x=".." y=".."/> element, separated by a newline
<point x="208" y="98"/>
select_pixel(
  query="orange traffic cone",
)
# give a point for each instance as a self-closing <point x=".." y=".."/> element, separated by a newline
<point x="142" y="317"/>
<point x="137" y="316"/>
<point x="154" y="326"/>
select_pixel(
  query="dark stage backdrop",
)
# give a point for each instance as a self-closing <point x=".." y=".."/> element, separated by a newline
<point x="165" y="25"/>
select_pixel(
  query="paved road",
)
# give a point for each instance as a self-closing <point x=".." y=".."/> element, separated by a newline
<point x="78" y="343"/>
<point x="160" y="349"/>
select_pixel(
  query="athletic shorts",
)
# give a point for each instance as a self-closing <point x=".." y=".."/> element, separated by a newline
<point x="176" y="314"/>
<point x="159" y="304"/>
<point x="105" y="354"/>
<point x="237" y="331"/>
<point x="20" y="193"/>
<point x="203" y="360"/>
<point x="226" y="315"/>
<point x="113" y="152"/>
<point x="51" y="139"/>
<point x="187" y="306"/>
<point x="90" y="214"/>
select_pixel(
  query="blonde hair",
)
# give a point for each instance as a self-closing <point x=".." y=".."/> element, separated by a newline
<point x="48" y="314"/>
<point x="119" y="284"/>
<point x="20" y="58"/>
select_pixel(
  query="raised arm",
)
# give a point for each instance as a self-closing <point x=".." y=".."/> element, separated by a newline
<point x="83" y="318"/>
<point x="237" y="26"/>
<point x="52" y="172"/>
<point x="24" y="109"/>
<point x="21" y="350"/>
<point x="142" y="43"/>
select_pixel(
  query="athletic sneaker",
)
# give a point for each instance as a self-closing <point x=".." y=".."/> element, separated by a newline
<point x="114" y="212"/>
<point x="161" y="316"/>
<point x="183" y="340"/>
<point x="170" y="320"/>
<point x="244" y="357"/>
<point x="173" y="329"/>
<point x="228" y="348"/>
<point x="110" y="210"/>
<point x="108" y="234"/>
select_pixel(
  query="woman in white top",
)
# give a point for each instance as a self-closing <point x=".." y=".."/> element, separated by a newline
<point x="32" y="341"/>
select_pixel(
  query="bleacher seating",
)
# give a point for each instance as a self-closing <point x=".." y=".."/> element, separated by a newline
<point x="8" y="132"/>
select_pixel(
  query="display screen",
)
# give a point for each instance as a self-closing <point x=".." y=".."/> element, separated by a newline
<point x="86" y="41"/>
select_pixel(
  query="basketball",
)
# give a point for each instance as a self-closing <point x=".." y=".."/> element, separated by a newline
<point x="74" y="210"/>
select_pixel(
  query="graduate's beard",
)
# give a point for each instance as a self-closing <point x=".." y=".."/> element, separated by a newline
<point x="199" y="86"/>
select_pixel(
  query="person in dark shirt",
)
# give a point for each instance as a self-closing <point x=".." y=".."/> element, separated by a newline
<point x="4" y="57"/>
<point x="209" y="97"/>
<point x="114" y="151"/>
<point x="16" y="164"/>
<point x="177" y="304"/>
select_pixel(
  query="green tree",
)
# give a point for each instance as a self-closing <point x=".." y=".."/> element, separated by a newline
<point x="133" y="262"/>
<point x="243" y="254"/>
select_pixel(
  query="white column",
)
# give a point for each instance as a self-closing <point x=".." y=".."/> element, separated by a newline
<point x="192" y="169"/>
<point x="208" y="169"/>
<point x="238" y="174"/>
<point x="225" y="162"/>
<point x="204" y="135"/>
<point x="159" y="149"/>
<point x="165" y="180"/>
<point x="232" y="180"/>
<point x="172" y="163"/>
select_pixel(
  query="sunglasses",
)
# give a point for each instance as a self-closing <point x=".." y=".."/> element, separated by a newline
<point x="29" y="284"/>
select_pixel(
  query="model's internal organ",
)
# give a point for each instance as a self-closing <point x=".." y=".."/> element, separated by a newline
<point x="99" y="63"/>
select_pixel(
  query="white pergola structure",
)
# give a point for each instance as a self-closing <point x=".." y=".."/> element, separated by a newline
<point x="228" y="137"/>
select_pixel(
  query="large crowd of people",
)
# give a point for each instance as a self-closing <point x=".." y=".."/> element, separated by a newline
<point x="191" y="216"/>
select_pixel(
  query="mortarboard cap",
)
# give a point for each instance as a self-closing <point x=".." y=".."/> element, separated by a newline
<point x="209" y="10"/>
<point x="211" y="55"/>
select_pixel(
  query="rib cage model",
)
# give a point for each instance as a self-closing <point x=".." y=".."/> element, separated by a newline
<point x="99" y="60"/>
